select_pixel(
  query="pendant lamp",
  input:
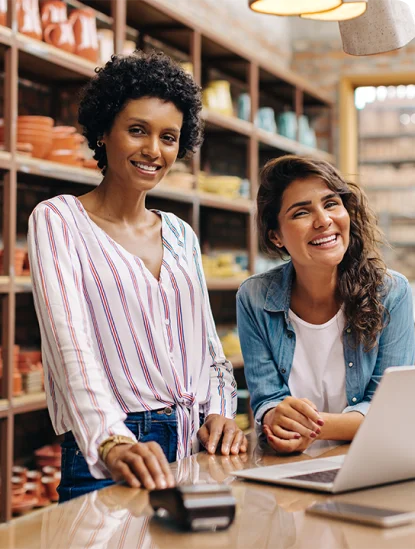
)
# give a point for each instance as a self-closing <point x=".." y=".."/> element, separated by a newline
<point x="349" y="9"/>
<point x="292" y="7"/>
<point x="385" y="26"/>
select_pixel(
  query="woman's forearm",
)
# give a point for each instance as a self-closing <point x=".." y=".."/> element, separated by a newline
<point x="340" y="426"/>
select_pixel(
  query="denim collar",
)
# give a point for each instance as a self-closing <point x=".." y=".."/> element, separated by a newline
<point x="278" y="297"/>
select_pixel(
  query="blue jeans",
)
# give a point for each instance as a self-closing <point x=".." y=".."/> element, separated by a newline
<point x="156" y="425"/>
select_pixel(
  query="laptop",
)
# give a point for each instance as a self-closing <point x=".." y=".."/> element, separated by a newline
<point x="382" y="451"/>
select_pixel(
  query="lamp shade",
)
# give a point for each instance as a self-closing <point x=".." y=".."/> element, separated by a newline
<point x="385" y="26"/>
<point x="292" y="7"/>
<point x="349" y="9"/>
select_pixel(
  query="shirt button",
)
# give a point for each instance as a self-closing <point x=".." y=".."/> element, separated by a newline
<point x="349" y="331"/>
<point x="166" y="321"/>
<point x="283" y="371"/>
<point x="350" y="364"/>
<point x="354" y="399"/>
<point x="290" y="336"/>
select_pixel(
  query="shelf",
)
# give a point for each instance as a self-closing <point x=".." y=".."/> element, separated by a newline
<point x="230" y="123"/>
<point x="6" y="36"/>
<point x="173" y="193"/>
<point x="237" y="361"/>
<point x="22" y="284"/>
<point x="274" y="140"/>
<point x="396" y="244"/>
<point x="282" y="143"/>
<point x="397" y="161"/>
<point x="385" y="135"/>
<point x="28" y="403"/>
<point x="5" y="160"/>
<point x="42" y="59"/>
<point x="4" y="407"/>
<point x="231" y="283"/>
<point x="56" y="170"/>
<point x="4" y="284"/>
<point x="212" y="200"/>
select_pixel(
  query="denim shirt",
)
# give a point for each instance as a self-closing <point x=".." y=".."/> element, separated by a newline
<point x="268" y="341"/>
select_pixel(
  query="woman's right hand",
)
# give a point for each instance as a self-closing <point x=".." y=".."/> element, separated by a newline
<point x="140" y="465"/>
<point x="292" y="425"/>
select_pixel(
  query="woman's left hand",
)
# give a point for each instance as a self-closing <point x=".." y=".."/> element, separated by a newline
<point x="217" y="427"/>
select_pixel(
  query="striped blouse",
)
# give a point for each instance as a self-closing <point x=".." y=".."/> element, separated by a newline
<point x="116" y="340"/>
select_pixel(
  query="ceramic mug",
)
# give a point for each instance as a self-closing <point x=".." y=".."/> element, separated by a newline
<point x="60" y="35"/>
<point x="53" y="12"/>
<point x="85" y="31"/>
<point x="28" y="18"/>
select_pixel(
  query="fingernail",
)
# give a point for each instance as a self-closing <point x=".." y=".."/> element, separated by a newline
<point x="320" y="422"/>
<point x="297" y="435"/>
<point x="226" y="449"/>
<point x="211" y="448"/>
<point x="163" y="483"/>
<point x="318" y="431"/>
<point x="313" y="435"/>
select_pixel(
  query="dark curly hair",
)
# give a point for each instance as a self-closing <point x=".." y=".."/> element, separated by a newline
<point x="130" y="77"/>
<point x="362" y="272"/>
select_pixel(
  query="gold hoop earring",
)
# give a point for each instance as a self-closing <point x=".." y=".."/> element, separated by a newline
<point x="100" y="143"/>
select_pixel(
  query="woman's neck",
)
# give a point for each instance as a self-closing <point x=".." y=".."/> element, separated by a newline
<point x="116" y="204"/>
<point x="313" y="296"/>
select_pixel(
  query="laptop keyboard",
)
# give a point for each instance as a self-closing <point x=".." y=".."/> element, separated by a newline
<point x="319" y="476"/>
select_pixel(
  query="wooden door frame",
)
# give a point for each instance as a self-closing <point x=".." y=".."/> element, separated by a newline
<point x="348" y="130"/>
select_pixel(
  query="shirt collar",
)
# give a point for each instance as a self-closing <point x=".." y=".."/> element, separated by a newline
<point x="278" y="297"/>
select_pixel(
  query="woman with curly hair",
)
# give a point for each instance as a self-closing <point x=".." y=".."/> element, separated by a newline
<point x="133" y="364"/>
<point x="318" y="331"/>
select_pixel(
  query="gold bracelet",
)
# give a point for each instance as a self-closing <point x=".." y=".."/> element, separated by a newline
<point x="109" y="443"/>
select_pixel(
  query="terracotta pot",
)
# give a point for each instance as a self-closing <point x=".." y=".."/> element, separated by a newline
<point x="63" y="156"/>
<point x="85" y="31"/>
<point x="3" y="12"/>
<point x="41" y="144"/>
<point x="49" y="471"/>
<point x="90" y="163"/>
<point x="53" y="11"/>
<point x="18" y="482"/>
<point x="20" y="473"/>
<point x="50" y="485"/>
<point x="60" y="35"/>
<point x="44" y="120"/>
<point x="17" y="383"/>
<point x="68" y="142"/>
<point x="63" y="130"/>
<point x="28" y="18"/>
<point x="34" y="476"/>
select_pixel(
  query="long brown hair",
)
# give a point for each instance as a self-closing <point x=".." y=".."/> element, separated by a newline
<point x="362" y="272"/>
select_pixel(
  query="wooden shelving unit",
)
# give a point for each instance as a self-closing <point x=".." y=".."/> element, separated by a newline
<point x="148" y="20"/>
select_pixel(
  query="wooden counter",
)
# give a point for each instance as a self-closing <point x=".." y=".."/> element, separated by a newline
<point x="267" y="517"/>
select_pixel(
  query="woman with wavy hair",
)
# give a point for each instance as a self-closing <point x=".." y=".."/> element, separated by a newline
<point x="318" y="331"/>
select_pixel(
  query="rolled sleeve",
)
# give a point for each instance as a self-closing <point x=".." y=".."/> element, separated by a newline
<point x="266" y="385"/>
<point x="74" y="370"/>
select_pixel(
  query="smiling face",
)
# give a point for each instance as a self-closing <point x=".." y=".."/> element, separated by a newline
<point x="143" y="142"/>
<point x="314" y="225"/>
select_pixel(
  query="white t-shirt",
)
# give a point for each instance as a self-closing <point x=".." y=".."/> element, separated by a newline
<point x="318" y="371"/>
